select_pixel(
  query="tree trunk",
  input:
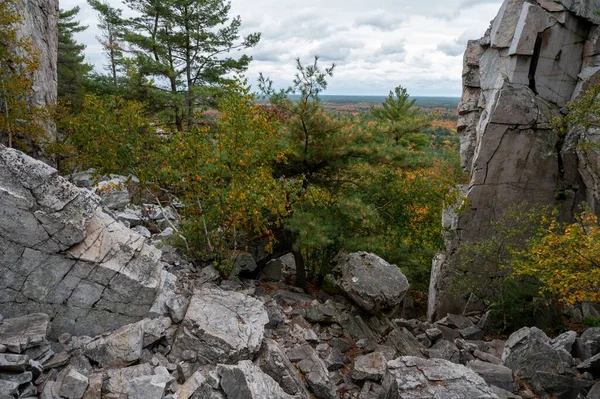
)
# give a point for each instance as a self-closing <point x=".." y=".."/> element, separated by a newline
<point x="290" y="240"/>
<point x="188" y="67"/>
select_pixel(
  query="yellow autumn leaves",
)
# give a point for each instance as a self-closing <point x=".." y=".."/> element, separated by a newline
<point x="565" y="258"/>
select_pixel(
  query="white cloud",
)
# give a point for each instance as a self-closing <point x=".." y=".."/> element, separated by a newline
<point x="376" y="45"/>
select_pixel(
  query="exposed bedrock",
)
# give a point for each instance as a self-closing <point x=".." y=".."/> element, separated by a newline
<point x="537" y="56"/>
<point x="60" y="254"/>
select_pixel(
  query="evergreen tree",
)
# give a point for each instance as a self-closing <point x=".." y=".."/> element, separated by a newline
<point x="72" y="71"/>
<point x="112" y="26"/>
<point x="400" y="114"/>
<point x="184" y="45"/>
<point x="342" y="166"/>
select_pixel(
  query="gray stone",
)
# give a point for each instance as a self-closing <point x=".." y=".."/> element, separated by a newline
<point x="177" y="306"/>
<point x="315" y="373"/>
<point x="221" y="327"/>
<point x="369" y="367"/>
<point x="143" y="231"/>
<point x="472" y="333"/>
<point x="59" y="249"/>
<point x="10" y="388"/>
<point x="564" y="341"/>
<point x="21" y="333"/>
<point x="272" y="271"/>
<point x="130" y="217"/>
<point x="341" y="344"/>
<point x="434" y="334"/>
<point x="246" y="381"/>
<point x="487" y="357"/>
<point x="320" y="313"/>
<point x="591" y="365"/>
<point x="443" y="349"/>
<point x="588" y="344"/>
<point x="114" y="193"/>
<point x="243" y="263"/>
<point x="40" y="24"/>
<point x="404" y="343"/>
<point x="273" y="361"/>
<point x="19" y="378"/>
<point x="494" y="374"/>
<point x="13" y="363"/>
<point x="537" y="61"/>
<point x="594" y="392"/>
<point x="370" y="281"/>
<point x="413" y="378"/>
<point x="119" y="348"/>
<point x="155" y="329"/>
<point x="335" y="360"/>
<point x="503" y="27"/>
<point x="94" y="390"/>
<point x="117" y="380"/>
<point x="547" y="370"/>
<point x="149" y="387"/>
<point x="73" y="385"/>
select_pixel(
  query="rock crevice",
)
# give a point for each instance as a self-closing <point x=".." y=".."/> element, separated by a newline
<point x="536" y="57"/>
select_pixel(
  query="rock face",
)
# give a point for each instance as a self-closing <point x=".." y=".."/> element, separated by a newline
<point x="535" y="58"/>
<point x="221" y="327"/>
<point x="371" y="282"/>
<point x="61" y="255"/>
<point x="529" y="353"/>
<point x="413" y="377"/>
<point x="41" y="25"/>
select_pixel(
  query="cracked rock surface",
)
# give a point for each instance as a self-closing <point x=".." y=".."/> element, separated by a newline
<point x="60" y="254"/>
<point x="536" y="57"/>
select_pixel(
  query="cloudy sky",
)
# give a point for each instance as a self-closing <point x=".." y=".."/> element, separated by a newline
<point x="376" y="44"/>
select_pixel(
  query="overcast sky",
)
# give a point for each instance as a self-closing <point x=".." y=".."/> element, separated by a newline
<point x="377" y="44"/>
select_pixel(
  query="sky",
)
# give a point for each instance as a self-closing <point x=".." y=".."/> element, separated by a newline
<point x="376" y="45"/>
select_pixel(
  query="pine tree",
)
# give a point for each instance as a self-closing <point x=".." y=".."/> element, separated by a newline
<point x="112" y="26"/>
<point x="342" y="166"/>
<point x="184" y="45"/>
<point x="72" y="71"/>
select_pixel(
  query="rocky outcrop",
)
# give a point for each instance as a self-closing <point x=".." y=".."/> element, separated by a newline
<point x="410" y="377"/>
<point x="40" y="24"/>
<point x="536" y="57"/>
<point x="371" y="282"/>
<point x="60" y="254"/>
<point x="221" y="327"/>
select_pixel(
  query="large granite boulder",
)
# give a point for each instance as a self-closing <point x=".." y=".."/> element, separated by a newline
<point x="536" y="57"/>
<point x="61" y="255"/>
<point x="548" y="371"/>
<point x="246" y="381"/>
<point x="221" y="327"/>
<point x="415" y="378"/>
<point x="274" y="362"/>
<point x="371" y="282"/>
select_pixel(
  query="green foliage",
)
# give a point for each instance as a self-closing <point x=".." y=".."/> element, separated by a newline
<point x="485" y="266"/>
<point x="564" y="259"/>
<point x="360" y="188"/>
<point x="224" y="178"/>
<point x="400" y="115"/>
<point x="20" y="122"/>
<point x="72" y="71"/>
<point x="112" y="26"/>
<point x="591" y="322"/>
<point x="183" y="47"/>
<point x="111" y="135"/>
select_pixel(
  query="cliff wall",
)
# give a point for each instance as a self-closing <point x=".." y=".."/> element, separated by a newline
<point x="536" y="57"/>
